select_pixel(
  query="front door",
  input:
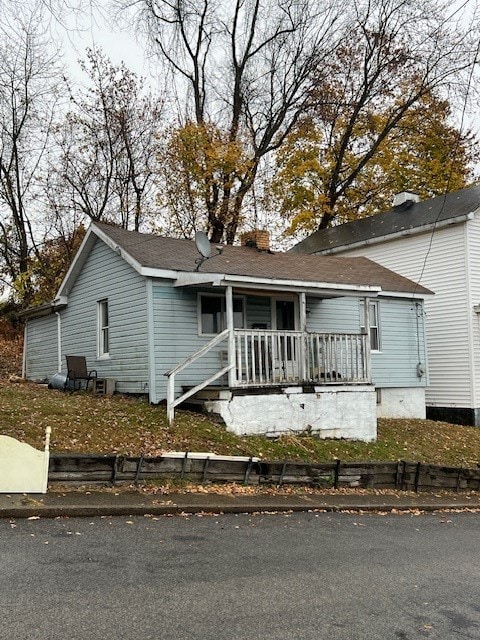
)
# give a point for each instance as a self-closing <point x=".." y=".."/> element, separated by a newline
<point x="286" y="346"/>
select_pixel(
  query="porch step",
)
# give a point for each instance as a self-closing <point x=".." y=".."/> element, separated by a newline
<point x="207" y="393"/>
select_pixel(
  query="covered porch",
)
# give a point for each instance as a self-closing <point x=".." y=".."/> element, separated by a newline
<point x="284" y="355"/>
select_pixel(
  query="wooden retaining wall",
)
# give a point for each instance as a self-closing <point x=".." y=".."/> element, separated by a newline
<point x="402" y="475"/>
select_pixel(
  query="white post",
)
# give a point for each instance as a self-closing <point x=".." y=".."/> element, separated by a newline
<point x="367" y="355"/>
<point x="46" y="459"/>
<point x="232" y="378"/>
<point x="303" y="338"/>
<point x="170" y="398"/>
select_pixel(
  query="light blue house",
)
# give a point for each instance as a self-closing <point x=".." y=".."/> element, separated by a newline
<point x="277" y="342"/>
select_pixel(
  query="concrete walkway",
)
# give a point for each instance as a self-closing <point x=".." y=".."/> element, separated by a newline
<point x="112" y="503"/>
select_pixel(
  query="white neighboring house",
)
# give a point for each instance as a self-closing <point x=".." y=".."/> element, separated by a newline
<point x="436" y="243"/>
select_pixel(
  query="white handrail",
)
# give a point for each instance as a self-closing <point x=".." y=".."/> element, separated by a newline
<point x="171" y="401"/>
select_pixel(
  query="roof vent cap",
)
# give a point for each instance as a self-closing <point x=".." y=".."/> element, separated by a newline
<point x="405" y="198"/>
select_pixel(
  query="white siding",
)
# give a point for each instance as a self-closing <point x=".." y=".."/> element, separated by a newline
<point x="472" y="230"/>
<point x="438" y="262"/>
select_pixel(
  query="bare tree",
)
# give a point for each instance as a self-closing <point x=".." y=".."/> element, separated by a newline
<point x="242" y="69"/>
<point x="28" y="95"/>
<point x="107" y="144"/>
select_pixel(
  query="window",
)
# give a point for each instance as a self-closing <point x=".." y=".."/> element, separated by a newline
<point x="213" y="317"/>
<point x="103" y="338"/>
<point x="374" y="323"/>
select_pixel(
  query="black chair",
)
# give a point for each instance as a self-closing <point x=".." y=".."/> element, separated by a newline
<point x="77" y="371"/>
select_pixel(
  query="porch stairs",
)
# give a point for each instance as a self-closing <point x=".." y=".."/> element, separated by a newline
<point x="197" y="401"/>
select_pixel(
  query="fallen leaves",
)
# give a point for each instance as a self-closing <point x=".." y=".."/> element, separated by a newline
<point x="83" y="423"/>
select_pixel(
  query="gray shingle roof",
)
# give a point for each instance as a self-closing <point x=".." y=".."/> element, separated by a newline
<point x="421" y="214"/>
<point x="158" y="252"/>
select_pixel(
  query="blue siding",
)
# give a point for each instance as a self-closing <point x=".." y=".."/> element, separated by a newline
<point x="332" y="315"/>
<point x="107" y="276"/>
<point x="402" y="344"/>
<point x="176" y="337"/>
<point x="171" y="333"/>
<point x="41" y="348"/>
<point x="402" y="341"/>
<point x="259" y="311"/>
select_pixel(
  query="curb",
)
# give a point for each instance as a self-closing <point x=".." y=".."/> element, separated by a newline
<point x="78" y="511"/>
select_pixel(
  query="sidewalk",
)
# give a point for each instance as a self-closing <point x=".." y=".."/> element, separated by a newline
<point x="97" y="503"/>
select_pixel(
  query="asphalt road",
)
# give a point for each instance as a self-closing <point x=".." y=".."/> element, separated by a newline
<point x="275" y="577"/>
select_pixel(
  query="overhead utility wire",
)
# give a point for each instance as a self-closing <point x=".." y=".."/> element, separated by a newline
<point x="452" y="158"/>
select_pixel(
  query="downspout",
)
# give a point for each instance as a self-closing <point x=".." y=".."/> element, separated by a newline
<point x="152" y="378"/>
<point x="24" y="357"/>
<point x="59" y="341"/>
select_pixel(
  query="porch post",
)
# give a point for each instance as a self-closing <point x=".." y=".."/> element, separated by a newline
<point x="368" y="351"/>
<point x="303" y="340"/>
<point x="231" y="336"/>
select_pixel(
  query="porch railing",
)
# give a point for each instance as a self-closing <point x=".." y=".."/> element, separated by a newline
<point x="265" y="357"/>
<point x="173" y="402"/>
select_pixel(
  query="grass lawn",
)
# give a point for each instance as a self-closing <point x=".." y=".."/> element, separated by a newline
<point x="83" y="423"/>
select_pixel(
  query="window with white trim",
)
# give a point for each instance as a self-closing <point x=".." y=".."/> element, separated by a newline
<point x="213" y="315"/>
<point x="103" y="329"/>
<point x="374" y="323"/>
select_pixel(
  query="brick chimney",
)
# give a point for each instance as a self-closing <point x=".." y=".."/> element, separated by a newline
<point x="257" y="239"/>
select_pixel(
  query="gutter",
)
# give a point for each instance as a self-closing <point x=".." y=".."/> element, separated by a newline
<point x="44" y="309"/>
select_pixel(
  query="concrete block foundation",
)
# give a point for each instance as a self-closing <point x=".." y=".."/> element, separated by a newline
<point x="402" y="403"/>
<point x="329" y="412"/>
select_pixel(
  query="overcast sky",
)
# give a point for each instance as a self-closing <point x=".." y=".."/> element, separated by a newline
<point x="77" y="32"/>
<point x="98" y="27"/>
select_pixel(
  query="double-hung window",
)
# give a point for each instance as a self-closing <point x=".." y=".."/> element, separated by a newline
<point x="103" y="329"/>
<point x="374" y="323"/>
<point x="213" y="316"/>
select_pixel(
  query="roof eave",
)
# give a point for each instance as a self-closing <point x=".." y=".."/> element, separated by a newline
<point x="43" y="310"/>
<point x="411" y="295"/>
<point x="399" y="234"/>
<point x="330" y="289"/>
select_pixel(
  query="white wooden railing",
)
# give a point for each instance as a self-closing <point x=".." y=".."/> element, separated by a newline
<point x="173" y="402"/>
<point x="265" y="357"/>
